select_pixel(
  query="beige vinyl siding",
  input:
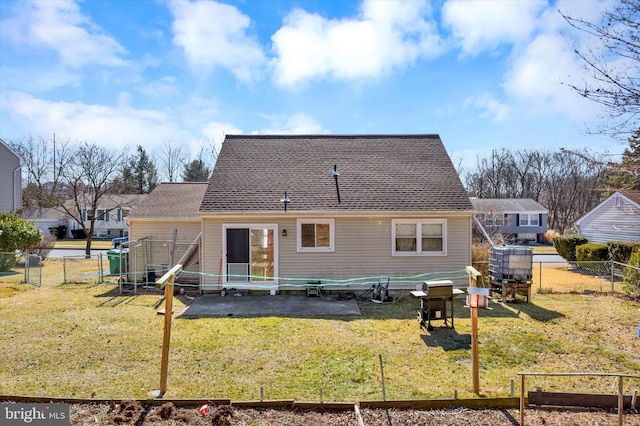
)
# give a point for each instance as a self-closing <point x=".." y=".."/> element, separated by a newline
<point x="157" y="251"/>
<point x="363" y="248"/>
<point x="163" y="230"/>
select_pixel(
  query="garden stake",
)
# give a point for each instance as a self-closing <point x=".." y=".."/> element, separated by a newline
<point x="384" y="393"/>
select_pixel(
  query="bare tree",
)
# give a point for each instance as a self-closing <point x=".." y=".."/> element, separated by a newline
<point x="566" y="184"/>
<point x="90" y="177"/>
<point x="613" y="61"/>
<point x="44" y="162"/>
<point x="171" y="159"/>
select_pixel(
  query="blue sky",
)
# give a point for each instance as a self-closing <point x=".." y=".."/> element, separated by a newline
<point x="482" y="74"/>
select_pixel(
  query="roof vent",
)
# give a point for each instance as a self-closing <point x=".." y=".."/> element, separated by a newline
<point x="335" y="176"/>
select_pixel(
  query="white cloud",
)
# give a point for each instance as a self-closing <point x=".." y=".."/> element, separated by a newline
<point x="216" y="131"/>
<point x="115" y="127"/>
<point x="290" y="125"/>
<point x="215" y="35"/>
<point x="537" y="75"/>
<point x="492" y="108"/>
<point x="484" y="25"/>
<point x="387" y="35"/>
<point x="59" y="26"/>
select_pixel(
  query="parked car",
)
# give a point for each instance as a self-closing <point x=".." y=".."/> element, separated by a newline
<point x="115" y="243"/>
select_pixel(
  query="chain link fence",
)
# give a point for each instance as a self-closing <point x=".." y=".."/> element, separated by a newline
<point x="10" y="266"/>
<point x="140" y="263"/>
<point x="33" y="269"/>
<point x="572" y="277"/>
<point x="84" y="270"/>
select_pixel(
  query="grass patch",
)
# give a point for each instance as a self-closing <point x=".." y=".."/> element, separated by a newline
<point x="83" y="340"/>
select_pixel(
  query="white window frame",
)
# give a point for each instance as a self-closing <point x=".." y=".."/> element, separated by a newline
<point x="419" y="223"/>
<point x="529" y="216"/>
<point x="103" y="215"/>
<point x="314" y="221"/>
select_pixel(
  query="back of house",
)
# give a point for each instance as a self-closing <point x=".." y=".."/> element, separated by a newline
<point x="283" y="211"/>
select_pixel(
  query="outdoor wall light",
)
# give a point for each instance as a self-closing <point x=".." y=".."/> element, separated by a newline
<point x="284" y="232"/>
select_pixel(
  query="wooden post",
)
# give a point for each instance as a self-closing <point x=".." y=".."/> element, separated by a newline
<point x="474" y="351"/>
<point x="384" y="392"/>
<point x="620" y="401"/>
<point x="522" y="376"/>
<point x="166" y="339"/>
<point x="473" y="282"/>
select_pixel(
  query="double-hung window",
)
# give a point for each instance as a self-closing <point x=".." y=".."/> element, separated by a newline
<point x="425" y="237"/>
<point x="315" y="235"/>
<point x="103" y="214"/>
<point x="529" y="219"/>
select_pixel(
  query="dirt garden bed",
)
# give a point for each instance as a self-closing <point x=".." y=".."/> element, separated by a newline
<point x="134" y="413"/>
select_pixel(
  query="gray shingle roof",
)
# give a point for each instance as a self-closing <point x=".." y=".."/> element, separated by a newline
<point x="633" y="195"/>
<point x="508" y="205"/>
<point x="171" y="201"/>
<point x="391" y="173"/>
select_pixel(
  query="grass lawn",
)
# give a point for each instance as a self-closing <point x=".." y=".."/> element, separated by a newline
<point x="84" y="340"/>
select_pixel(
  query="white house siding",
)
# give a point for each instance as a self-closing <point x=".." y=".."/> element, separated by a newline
<point x="362" y="249"/>
<point x="615" y="219"/>
<point x="10" y="180"/>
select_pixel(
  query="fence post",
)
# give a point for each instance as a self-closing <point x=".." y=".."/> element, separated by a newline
<point x="540" y="269"/>
<point x="26" y="267"/>
<point x="612" y="274"/>
<point x="100" y="272"/>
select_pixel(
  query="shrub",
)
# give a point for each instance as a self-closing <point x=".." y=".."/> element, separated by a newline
<point x="7" y="261"/>
<point x="620" y="251"/>
<point x="592" y="252"/>
<point x="632" y="275"/>
<point x="43" y="248"/>
<point x="17" y="234"/>
<point x="566" y="245"/>
<point x="550" y="235"/>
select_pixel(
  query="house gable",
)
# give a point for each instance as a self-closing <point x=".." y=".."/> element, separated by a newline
<point x="615" y="219"/>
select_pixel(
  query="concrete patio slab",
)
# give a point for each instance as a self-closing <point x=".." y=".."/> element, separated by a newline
<point x="214" y="305"/>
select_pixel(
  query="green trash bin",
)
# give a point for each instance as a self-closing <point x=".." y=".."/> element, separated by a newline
<point x="114" y="261"/>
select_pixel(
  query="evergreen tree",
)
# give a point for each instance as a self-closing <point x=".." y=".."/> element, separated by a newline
<point x="196" y="171"/>
<point x="140" y="175"/>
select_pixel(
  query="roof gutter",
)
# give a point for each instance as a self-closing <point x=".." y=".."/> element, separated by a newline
<point x="351" y="214"/>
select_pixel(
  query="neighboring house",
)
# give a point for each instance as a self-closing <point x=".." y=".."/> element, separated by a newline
<point x="281" y="211"/>
<point x="10" y="179"/>
<point x="615" y="219"/>
<point x="170" y="208"/>
<point x="110" y="216"/>
<point x="44" y="218"/>
<point x="519" y="219"/>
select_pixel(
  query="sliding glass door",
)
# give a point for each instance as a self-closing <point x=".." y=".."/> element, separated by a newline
<point x="250" y="253"/>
